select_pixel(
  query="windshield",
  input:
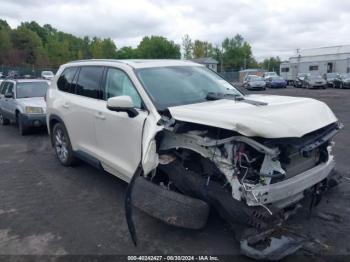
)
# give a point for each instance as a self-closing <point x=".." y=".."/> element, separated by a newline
<point x="47" y="73"/>
<point x="180" y="85"/>
<point x="316" y="77"/>
<point x="31" y="89"/>
<point x="255" y="78"/>
<point x="270" y="74"/>
<point x="332" y="75"/>
<point x="276" y="78"/>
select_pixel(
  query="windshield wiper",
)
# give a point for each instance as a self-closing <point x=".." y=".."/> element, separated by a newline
<point x="236" y="97"/>
<point x="217" y="96"/>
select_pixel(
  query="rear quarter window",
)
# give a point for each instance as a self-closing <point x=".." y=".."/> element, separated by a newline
<point x="65" y="82"/>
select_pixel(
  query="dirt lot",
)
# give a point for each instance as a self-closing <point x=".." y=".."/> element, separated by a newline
<point x="48" y="209"/>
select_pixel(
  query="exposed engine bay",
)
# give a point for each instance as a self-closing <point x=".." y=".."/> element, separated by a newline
<point x="242" y="164"/>
<point x="253" y="182"/>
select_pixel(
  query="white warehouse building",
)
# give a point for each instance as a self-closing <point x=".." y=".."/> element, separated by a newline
<point x="317" y="61"/>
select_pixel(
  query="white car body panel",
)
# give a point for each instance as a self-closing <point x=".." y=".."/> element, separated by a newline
<point x="282" y="117"/>
<point x="32" y="101"/>
<point x="93" y="135"/>
<point x="119" y="149"/>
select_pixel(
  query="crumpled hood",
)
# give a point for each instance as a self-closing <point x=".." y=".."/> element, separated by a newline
<point x="283" y="116"/>
<point x="32" y="101"/>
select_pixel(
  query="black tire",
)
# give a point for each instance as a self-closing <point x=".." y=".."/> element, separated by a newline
<point x="168" y="206"/>
<point x="62" y="145"/>
<point x="23" y="130"/>
<point x="3" y="121"/>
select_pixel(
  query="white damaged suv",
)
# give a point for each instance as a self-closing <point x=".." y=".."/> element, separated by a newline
<point x="186" y="140"/>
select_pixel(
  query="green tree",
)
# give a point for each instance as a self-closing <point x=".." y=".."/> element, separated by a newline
<point x="5" y="42"/>
<point x="103" y="48"/>
<point x="202" y="49"/>
<point x="29" y="44"/>
<point x="158" y="47"/>
<point x="272" y="64"/>
<point x="237" y="53"/>
<point x="126" y="52"/>
<point x="187" y="47"/>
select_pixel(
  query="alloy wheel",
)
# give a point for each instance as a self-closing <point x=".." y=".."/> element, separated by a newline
<point x="61" y="145"/>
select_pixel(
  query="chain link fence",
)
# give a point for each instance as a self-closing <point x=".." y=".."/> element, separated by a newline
<point x="230" y="76"/>
<point x="21" y="71"/>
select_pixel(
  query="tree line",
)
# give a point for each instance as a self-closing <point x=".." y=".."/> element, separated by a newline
<point x="45" y="46"/>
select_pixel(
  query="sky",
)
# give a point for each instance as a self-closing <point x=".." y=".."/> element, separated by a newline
<point x="272" y="27"/>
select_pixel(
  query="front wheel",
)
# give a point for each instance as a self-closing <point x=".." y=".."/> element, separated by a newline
<point x="23" y="130"/>
<point x="62" y="145"/>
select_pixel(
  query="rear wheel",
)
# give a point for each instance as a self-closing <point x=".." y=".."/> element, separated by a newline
<point x="62" y="145"/>
<point x="3" y="121"/>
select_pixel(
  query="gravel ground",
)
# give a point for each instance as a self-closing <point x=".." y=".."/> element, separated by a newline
<point x="46" y="209"/>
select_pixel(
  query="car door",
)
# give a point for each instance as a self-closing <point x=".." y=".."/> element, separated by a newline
<point x="8" y="104"/>
<point x="79" y="108"/>
<point x="119" y="136"/>
<point x="3" y="88"/>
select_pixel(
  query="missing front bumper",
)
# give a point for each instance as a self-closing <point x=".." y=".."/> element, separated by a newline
<point x="291" y="190"/>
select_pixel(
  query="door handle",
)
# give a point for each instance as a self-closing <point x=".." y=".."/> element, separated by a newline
<point x="100" y="116"/>
<point x="65" y="105"/>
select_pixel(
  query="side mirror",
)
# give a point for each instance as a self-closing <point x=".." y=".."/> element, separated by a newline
<point x="122" y="104"/>
<point x="8" y="95"/>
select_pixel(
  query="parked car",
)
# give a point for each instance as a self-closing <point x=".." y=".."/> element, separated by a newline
<point x="298" y="83"/>
<point x="186" y="140"/>
<point x="253" y="82"/>
<point x="48" y="75"/>
<point x="23" y="102"/>
<point x="12" y="74"/>
<point x="330" y="78"/>
<point x="314" y="81"/>
<point x="276" y="82"/>
<point x="343" y="81"/>
<point x="267" y="75"/>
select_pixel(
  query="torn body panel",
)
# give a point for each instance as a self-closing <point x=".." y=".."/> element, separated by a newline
<point x="248" y="180"/>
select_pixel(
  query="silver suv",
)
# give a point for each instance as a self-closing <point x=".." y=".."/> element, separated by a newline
<point x="22" y="101"/>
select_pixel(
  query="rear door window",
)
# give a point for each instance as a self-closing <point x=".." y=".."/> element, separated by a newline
<point x="9" y="88"/>
<point x="3" y="88"/>
<point x="65" y="82"/>
<point x="89" y="81"/>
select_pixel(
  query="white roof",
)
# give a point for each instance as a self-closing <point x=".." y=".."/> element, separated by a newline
<point x="138" y="63"/>
<point x="342" y="49"/>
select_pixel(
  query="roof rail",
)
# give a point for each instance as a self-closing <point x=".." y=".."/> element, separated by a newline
<point x="95" y="60"/>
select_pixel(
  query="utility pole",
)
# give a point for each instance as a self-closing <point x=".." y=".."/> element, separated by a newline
<point x="222" y="60"/>
<point x="298" y="65"/>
